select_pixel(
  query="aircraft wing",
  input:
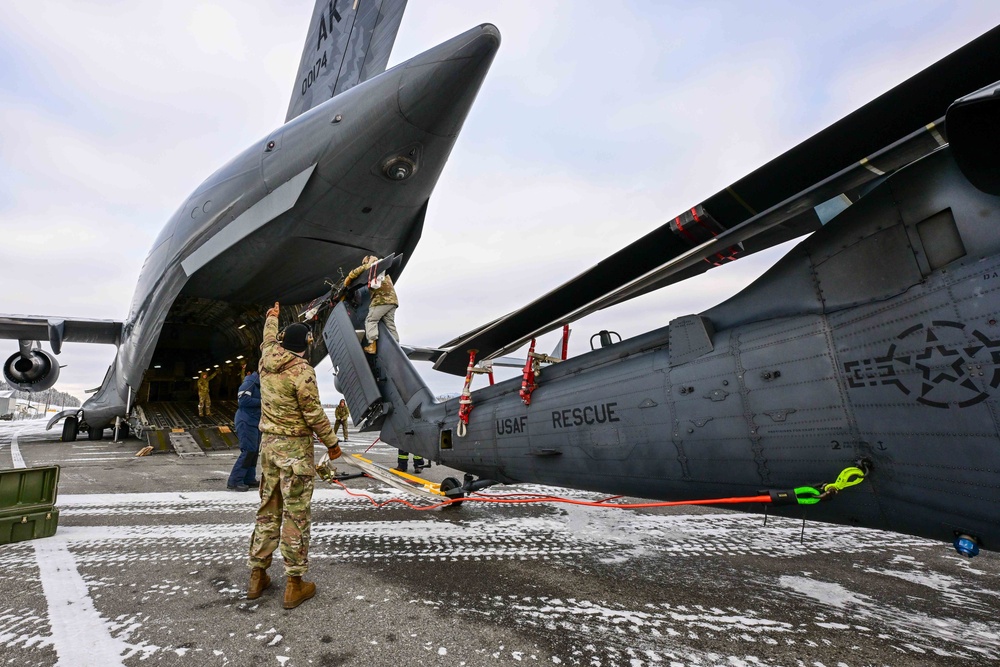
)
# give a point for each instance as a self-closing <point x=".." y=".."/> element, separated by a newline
<point x="347" y="43"/>
<point x="793" y="194"/>
<point x="57" y="330"/>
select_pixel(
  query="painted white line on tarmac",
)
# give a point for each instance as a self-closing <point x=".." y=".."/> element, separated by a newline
<point x="172" y="498"/>
<point x="15" y="451"/>
<point x="110" y="457"/>
<point x="79" y="635"/>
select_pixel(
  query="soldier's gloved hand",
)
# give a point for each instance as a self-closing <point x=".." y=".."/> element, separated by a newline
<point x="333" y="451"/>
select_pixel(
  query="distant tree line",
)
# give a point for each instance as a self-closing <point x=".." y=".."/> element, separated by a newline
<point x="49" y="396"/>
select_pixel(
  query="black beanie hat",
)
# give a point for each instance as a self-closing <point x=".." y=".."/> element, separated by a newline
<point x="295" y="337"/>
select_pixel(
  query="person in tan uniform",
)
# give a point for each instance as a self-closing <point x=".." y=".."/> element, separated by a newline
<point x="340" y="418"/>
<point x="291" y="413"/>
<point x="204" y="398"/>
<point x="383" y="302"/>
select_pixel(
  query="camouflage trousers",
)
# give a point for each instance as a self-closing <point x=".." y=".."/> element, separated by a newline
<point x="284" y="516"/>
<point x="339" y="423"/>
<point x="204" y="403"/>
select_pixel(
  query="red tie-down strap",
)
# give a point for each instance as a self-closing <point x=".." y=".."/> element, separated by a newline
<point x="373" y="277"/>
<point x="696" y="226"/>
<point x="465" y="401"/>
<point x="528" y="375"/>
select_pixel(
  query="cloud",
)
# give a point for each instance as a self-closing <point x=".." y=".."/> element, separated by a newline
<point x="216" y="32"/>
<point x="598" y="122"/>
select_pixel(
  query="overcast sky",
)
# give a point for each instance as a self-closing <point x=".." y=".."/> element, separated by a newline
<point x="597" y="123"/>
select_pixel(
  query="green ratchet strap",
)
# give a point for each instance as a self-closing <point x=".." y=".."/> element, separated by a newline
<point x="807" y="495"/>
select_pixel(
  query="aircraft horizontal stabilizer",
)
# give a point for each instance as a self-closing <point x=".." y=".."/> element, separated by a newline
<point x="786" y="198"/>
<point x="422" y="353"/>
<point x="508" y="362"/>
<point x="434" y="353"/>
<point x="57" y="330"/>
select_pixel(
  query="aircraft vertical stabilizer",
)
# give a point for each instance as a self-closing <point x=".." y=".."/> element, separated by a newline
<point x="348" y="42"/>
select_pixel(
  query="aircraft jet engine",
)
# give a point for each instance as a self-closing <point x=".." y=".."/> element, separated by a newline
<point x="31" y="369"/>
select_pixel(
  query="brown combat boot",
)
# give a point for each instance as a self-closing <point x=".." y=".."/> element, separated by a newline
<point x="370" y="349"/>
<point x="297" y="592"/>
<point x="259" y="581"/>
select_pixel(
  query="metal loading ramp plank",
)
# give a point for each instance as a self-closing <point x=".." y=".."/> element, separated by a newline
<point x="185" y="446"/>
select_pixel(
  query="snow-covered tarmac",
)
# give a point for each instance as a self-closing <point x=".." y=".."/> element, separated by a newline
<point x="148" y="567"/>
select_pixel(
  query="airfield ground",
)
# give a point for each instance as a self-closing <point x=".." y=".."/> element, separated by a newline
<point x="148" y="567"/>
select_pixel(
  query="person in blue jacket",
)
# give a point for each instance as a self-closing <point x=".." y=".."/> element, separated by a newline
<point x="244" y="474"/>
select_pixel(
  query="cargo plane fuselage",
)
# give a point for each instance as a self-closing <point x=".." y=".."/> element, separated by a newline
<point x="349" y="177"/>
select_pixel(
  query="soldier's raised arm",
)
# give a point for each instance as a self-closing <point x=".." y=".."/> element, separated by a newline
<point x="352" y="276"/>
<point x="271" y="326"/>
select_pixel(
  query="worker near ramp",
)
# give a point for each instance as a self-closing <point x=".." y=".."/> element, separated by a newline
<point x="419" y="463"/>
<point x="340" y="417"/>
<point x="204" y="398"/>
<point x="383" y="302"/>
<point x="291" y="413"/>
<point x="247" y="422"/>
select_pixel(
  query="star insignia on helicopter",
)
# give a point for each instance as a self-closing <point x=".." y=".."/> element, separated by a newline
<point x="952" y="369"/>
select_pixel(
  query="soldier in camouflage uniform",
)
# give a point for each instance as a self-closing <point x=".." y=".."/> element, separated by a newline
<point x="383" y="303"/>
<point x="340" y="417"/>
<point x="291" y="413"/>
<point x="204" y="399"/>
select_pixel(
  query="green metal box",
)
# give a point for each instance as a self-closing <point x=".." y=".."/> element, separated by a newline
<point x="28" y="526"/>
<point x="25" y="488"/>
<point x="27" y="503"/>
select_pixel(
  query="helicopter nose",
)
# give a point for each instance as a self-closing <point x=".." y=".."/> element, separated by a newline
<point x="438" y="88"/>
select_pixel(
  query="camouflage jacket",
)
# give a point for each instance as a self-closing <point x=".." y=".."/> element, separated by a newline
<point x="203" y="381"/>
<point x="289" y="397"/>
<point x="383" y="295"/>
<point x="341" y="412"/>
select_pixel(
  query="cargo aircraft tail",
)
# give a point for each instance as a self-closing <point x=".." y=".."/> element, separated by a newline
<point x="348" y="42"/>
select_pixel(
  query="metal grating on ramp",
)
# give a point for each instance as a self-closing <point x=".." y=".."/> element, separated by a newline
<point x="184" y="414"/>
<point x="185" y="445"/>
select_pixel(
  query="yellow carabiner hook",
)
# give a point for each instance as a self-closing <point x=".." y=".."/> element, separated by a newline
<point x="847" y="477"/>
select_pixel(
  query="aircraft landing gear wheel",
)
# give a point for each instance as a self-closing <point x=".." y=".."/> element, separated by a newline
<point x="95" y="433"/>
<point x="70" y="429"/>
<point x="448" y="484"/>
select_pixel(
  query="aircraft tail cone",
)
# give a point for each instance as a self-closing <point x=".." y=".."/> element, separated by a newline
<point x="438" y="88"/>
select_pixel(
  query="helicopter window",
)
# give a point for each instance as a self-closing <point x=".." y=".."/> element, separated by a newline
<point x="940" y="238"/>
